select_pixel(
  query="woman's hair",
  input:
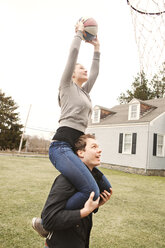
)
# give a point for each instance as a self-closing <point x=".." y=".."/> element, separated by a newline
<point x="80" y="144"/>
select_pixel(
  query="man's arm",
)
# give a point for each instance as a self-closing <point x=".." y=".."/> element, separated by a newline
<point x="60" y="192"/>
<point x="55" y="216"/>
<point x="89" y="206"/>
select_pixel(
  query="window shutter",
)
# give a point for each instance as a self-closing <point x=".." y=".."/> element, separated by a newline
<point x="134" y="138"/>
<point x="154" y="144"/>
<point x="120" y="142"/>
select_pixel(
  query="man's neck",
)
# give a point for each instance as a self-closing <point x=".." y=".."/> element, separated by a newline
<point x="89" y="167"/>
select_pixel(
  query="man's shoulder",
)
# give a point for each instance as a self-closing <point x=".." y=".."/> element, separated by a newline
<point x="61" y="182"/>
<point x="62" y="178"/>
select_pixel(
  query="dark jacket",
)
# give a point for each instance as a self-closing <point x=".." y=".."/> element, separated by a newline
<point x="69" y="230"/>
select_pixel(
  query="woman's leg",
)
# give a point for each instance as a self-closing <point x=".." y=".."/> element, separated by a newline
<point x="69" y="164"/>
<point x="102" y="181"/>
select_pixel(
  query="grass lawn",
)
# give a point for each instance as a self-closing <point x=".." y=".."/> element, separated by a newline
<point x="134" y="217"/>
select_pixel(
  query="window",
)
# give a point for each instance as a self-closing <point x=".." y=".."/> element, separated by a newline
<point x="134" y="111"/>
<point x="96" y="116"/>
<point x="159" y="145"/>
<point x="127" y="143"/>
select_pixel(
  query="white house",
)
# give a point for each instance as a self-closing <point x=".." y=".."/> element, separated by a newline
<point x="132" y="136"/>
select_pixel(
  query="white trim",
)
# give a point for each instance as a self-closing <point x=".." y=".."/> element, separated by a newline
<point x="148" y="148"/>
<point x="134" y="100"/>
<point x="119" y="125"/>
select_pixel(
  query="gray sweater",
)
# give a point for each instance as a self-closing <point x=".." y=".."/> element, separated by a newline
<point x="75" y="103"/>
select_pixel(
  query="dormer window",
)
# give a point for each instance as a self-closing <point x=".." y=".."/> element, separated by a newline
<point x="138" y="109"/>
<point x="100" y="113"/>
<point x="134" y="110"/>
<point x="96" y="115"/>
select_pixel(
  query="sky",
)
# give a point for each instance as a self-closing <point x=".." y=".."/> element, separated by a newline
<point x="35" y="37"/>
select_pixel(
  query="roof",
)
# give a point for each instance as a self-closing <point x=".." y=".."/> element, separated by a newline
<point x="121" y="113"/>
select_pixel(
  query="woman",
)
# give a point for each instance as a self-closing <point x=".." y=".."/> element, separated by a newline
<point x="76" y="109"/>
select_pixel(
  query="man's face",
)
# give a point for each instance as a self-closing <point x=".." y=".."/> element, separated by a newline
<point x="91" y="155"/>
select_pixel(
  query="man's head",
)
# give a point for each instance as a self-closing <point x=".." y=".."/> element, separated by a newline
<point x="88" y="150"/>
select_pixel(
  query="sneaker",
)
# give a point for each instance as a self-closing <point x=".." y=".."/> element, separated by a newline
<point x="38" y="227"/>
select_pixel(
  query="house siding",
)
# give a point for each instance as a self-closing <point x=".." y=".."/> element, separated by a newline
<point x="111" y="130"/>
<point x="108" y="138"/>
<point x="157" y="126"/>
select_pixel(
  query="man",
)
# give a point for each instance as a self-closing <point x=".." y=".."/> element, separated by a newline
<point x="71" y="228"/>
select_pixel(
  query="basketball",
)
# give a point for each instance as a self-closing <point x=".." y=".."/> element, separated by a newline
<point x="90" y="28"/>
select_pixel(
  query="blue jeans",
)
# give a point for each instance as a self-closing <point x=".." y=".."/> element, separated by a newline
<point x="69" y="164"/>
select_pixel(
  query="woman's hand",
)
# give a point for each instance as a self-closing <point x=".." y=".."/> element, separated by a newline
<point x="79" y="26"/>
<point x="95" y="42"/>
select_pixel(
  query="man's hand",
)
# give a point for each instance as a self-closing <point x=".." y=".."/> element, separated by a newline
<point x="105" y="196"/>
<point x="89" y="206"/>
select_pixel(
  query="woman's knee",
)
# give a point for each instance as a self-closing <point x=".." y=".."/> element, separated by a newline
<point x="97" y="193"/>
<point x="94" y="189"/>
